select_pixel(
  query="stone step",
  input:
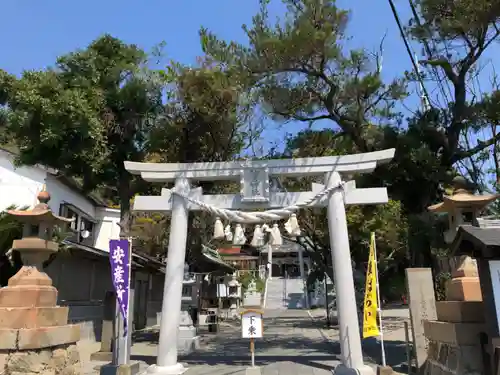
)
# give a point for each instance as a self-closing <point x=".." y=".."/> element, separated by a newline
<point x="460" y="311"/>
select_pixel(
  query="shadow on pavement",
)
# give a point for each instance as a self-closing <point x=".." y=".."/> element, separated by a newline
<point x="244" y="361"/>
<point x="283" y="343"/>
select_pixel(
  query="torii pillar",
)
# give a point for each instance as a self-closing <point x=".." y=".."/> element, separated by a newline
<point x="254" y="180"/>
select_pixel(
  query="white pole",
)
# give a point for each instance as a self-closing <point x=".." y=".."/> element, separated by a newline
<point x="172" y="290"/>
<point x="350" y="340"/>
<point x="303" y="275"/>
<point x="379" y="305"/>
<point x="122" y="341"/>
<point x="270" y="261"/>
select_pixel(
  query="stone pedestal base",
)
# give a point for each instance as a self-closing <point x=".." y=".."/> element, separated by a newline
<point x="33" y="317"/>
<point x="187" y="341"/>
<point x="445" y="358"/>
<point x="464" y="289"/>
<point x="460" y="311"/>
<point x="58" y="360"/>
<point x="38" y="338"/>
<point x="43" y="350"/>
<point x="28" y="295"/>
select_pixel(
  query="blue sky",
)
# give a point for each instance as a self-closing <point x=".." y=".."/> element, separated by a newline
<point x="34" y="33"/>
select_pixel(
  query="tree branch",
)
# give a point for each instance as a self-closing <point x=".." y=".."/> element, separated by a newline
<point x="459" y="155"/>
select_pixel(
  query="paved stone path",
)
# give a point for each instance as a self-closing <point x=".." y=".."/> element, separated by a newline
<point x="292" y="344"/>
<point x="295" y="342"/>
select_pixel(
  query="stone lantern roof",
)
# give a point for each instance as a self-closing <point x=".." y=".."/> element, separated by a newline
<point x="462" y="197"/>
<point x="41" y="213"/>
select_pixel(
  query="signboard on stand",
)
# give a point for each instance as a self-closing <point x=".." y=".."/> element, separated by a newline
<point x="252" y="327"/>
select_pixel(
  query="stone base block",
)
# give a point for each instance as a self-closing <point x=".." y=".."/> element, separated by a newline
<point x="130" y="369"/>
<point x="58" y="360"/>
<point x="460" y="311"/>
<point x="102" y="356"/>
<point x="464" y="289"/>
<point x="384" y="370"/>
<point x="38" y="338"/>
<point x="467" y="267"/>
<point x="28" y="296"/>
<point x="33" y="317"/>
<point x="188" y="345"/>
<point x="444" y="358"/>
<point x="253" y="371"/>
<point x="455" y="334"/>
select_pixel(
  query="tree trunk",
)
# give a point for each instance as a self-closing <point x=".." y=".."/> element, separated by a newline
<point x="125" y="194"/>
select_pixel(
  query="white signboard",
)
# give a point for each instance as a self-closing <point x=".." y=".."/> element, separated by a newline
<point x="495" y="284"/>
<point x="251" y="325"/>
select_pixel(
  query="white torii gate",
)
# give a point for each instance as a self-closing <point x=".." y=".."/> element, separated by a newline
<point x="255" y="194"/>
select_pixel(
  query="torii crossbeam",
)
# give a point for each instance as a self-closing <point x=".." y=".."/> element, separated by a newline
<point x="255" y="194"/>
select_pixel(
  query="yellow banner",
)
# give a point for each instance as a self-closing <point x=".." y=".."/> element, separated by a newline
<point x="370" y="326"/>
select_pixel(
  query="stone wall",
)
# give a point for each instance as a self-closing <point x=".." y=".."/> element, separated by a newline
<point x="59" y="360"/>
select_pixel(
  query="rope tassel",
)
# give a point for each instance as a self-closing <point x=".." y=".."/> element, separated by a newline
<point x="258" y="237"/>
<point x="239" y="235"/>
<point x="218" y="229"/>
<point x="292" y="226"/>
<point x="275" y="239"/>
<point x="228" y="234"/>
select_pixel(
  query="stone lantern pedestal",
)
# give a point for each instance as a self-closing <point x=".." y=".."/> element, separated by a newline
<point x="35" y="336"/>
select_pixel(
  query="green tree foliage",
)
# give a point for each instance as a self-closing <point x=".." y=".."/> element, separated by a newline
<point x="203" y="122"/>
<point x="388" y="221"/>
<point x="302" y="71"/>
<point x="299" y="69"/>
<point x="87" y="115"/>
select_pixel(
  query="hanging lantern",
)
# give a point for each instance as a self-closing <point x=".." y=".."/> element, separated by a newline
<point x="218" y="229"/>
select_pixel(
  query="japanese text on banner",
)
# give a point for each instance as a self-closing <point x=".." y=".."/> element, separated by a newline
<point x="119" y="258"/>
<point x="370" y="327"/>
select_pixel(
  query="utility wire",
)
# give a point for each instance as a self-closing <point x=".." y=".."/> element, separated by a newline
<point x="430" y="55"/>
<point x="410" y="54"/>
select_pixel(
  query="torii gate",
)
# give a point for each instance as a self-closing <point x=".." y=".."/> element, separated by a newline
<point x="255" y="194"/>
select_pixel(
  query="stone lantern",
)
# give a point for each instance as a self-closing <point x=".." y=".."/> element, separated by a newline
<point x="31" y="325"/>
<point x="462" y="207"/>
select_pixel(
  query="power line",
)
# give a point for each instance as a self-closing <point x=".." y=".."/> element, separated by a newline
<point x="439" y="80"/>
<point x="425" y="97"/>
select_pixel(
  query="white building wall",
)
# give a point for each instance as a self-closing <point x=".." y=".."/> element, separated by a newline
<point x="19" y="186"/>
<point x="108" y="228"/>
<point x="61" y="193"/>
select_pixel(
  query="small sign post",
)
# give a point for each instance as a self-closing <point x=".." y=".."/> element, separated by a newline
<point x="252" y="327"/>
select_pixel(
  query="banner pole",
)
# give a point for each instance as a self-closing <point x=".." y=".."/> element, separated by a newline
<point x="379" y="305"/>
<point x="129" y="297"/>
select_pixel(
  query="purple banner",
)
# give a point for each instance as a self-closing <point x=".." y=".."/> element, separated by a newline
<point x="119" y="257"/>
